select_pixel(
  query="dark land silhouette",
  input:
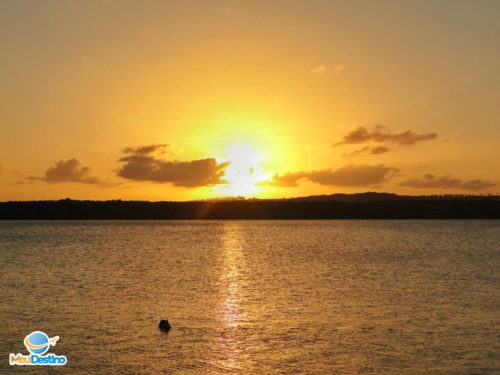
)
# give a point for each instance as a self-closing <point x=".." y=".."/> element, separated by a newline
<point x="336" y="206"/>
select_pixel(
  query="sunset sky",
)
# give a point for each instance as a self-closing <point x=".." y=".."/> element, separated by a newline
<point x="180" y="100"/>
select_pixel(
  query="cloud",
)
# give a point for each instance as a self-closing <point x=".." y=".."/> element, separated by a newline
<point x="378" y="150"/>
<point x="430" y="181"/>
<point x="320" y="69"/>
<point x="141" y="165"/>
<point x="362" y="135"/>
<point x="370" y="150"/>
<point x="285" y="180"/>
<point x="338" y="68"/>
<point x="477" y="185"/>
<point x="144" y="150"/>
<point x="323" y="69"/>
<point x="350" y="175"/>
<point x="67" y="171"/>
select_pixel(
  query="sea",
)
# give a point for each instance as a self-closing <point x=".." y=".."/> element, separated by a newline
<point x="253" y="297"/>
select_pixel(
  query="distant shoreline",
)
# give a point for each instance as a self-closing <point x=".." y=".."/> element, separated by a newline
<point x="336" y="206"/>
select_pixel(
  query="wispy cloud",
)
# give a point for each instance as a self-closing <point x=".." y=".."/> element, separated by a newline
<point x="320" y="69"/>
<point x="338" y="68"/>
<point x="363" y="135"/>
<point x="325" y="68"/>
<point x="430" y="181"/>
<point x="375" y="150"/>
<point x="144" y="150"/>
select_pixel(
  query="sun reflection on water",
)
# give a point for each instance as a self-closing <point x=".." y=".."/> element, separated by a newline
<point x="228" y="346"/>
<point x="232" y="278"/>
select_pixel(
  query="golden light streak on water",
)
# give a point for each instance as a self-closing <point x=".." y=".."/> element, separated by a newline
<point x="228" y="347"/>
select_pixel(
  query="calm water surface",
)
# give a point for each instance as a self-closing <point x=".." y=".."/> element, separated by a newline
<point x="254" y="297"/>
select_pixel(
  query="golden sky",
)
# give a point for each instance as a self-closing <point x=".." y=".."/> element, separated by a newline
<point x="179" y="100"/>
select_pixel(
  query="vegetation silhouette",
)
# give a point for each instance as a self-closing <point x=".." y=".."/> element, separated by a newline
<point x="337" y="206"/>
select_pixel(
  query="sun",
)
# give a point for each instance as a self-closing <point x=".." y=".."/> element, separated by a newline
<point x="244" y="171"/>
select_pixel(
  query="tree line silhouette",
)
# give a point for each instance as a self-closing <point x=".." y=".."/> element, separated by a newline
<point x="336" y="206"/>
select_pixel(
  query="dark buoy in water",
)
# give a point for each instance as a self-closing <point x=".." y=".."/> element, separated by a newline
<point x="164" y="325"/>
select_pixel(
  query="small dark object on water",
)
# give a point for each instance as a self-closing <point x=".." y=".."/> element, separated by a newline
<point x="164" y="325"/>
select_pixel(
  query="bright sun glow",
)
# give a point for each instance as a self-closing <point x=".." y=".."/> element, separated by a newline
<point x="244" y="171"/>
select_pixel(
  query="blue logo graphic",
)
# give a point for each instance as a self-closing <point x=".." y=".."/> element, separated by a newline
<point x="38" y="342"/>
